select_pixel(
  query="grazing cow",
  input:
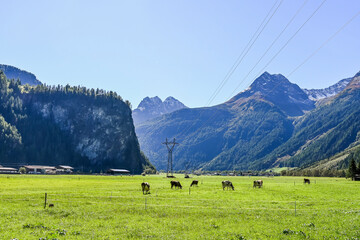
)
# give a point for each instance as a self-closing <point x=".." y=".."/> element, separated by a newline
<point x="194" y="182"/>
<point x="145" y="188"/>
<point x="227" y="184"/>
<point x="51" y="205"/>
<point x="258" y="183"/>
<point x="306" y="180"/>
<point x="176" y="184"/>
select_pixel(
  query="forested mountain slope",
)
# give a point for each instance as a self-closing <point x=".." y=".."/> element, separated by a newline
<point x="88" y="129"/>
<point x="323" y="132"/>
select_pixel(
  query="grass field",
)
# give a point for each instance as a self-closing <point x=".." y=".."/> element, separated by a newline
<point x="113" y="207"/>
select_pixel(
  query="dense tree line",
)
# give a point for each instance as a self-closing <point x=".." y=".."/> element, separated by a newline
<point x="348" y="168"/>
<point x="315" y="172"/>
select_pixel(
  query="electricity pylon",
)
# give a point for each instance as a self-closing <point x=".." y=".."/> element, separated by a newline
<point x="170" y="146"/>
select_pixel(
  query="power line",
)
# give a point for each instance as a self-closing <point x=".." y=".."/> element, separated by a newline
<point x="242" y="58"/>
<point x="272" y="44"/>
<point x="273" y="56"/>
<point x="322" y="45"/>
<point x="238" y="59"/>
<point x="287" y="42"/>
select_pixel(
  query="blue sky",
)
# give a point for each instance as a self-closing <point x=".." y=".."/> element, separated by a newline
<point x="175" y="48"/>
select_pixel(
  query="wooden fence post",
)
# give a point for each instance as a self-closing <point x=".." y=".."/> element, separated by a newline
<point x="45" y="200"/>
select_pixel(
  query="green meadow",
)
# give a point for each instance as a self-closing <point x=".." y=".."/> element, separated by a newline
<point x="113" y="207"/>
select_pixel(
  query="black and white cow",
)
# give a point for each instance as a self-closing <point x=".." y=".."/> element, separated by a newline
<point x="227" y="184"/>
<point x="258" y="183"/>
<point x="145" y="188"/>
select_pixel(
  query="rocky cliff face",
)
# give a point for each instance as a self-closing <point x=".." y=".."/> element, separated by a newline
<point x="16" y="73"/>
<point x="150" y="108"/>
<point x="101" y="132"/>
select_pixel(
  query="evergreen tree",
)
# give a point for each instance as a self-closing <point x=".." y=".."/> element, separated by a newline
<point x="352" y="169"/>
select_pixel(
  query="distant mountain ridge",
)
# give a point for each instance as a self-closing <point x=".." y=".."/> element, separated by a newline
<point x="150" y="108"/>
<point x="16" y="73"/>
<point x="317" y="94"/>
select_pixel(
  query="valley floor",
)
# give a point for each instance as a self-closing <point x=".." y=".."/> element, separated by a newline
<point x="113" y="207"/>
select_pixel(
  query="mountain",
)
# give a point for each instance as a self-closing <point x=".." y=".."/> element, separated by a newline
<point x="322" y="133"/>
<point x="88" y="129"/>
<point x="277" y="89"/>
<point x="15" y="73"/>
<point x="230" y="135"/>
<point x="317" y="94"/>
<point x="150" y="108"/>
<point x="274" y="123"/>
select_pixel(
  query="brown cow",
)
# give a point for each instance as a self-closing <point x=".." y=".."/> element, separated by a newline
<point x="176" y="184"/>
<point x="258" y="183"/>
<point x="306" y="180"/>
<point x="194" y="182"/>
<point x="145" y="188"/>
<point x="227" y="184"/>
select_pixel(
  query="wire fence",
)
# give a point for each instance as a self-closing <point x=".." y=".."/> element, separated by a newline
<point x="159" y="203"/>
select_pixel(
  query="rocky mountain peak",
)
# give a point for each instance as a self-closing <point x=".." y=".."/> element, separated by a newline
<point x="153" y="107"/>
<point x="172" y="103"/>
<point x="149" y="102"/>
<point x="268" y="81"/>
<point x="277" y="89"/>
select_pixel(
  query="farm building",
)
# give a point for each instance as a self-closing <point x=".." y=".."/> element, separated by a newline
<point x="113" y="171"/>
<point x="38" y="169"/>
<point x="8" y="170"/>
<point x="64" y="169"/>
